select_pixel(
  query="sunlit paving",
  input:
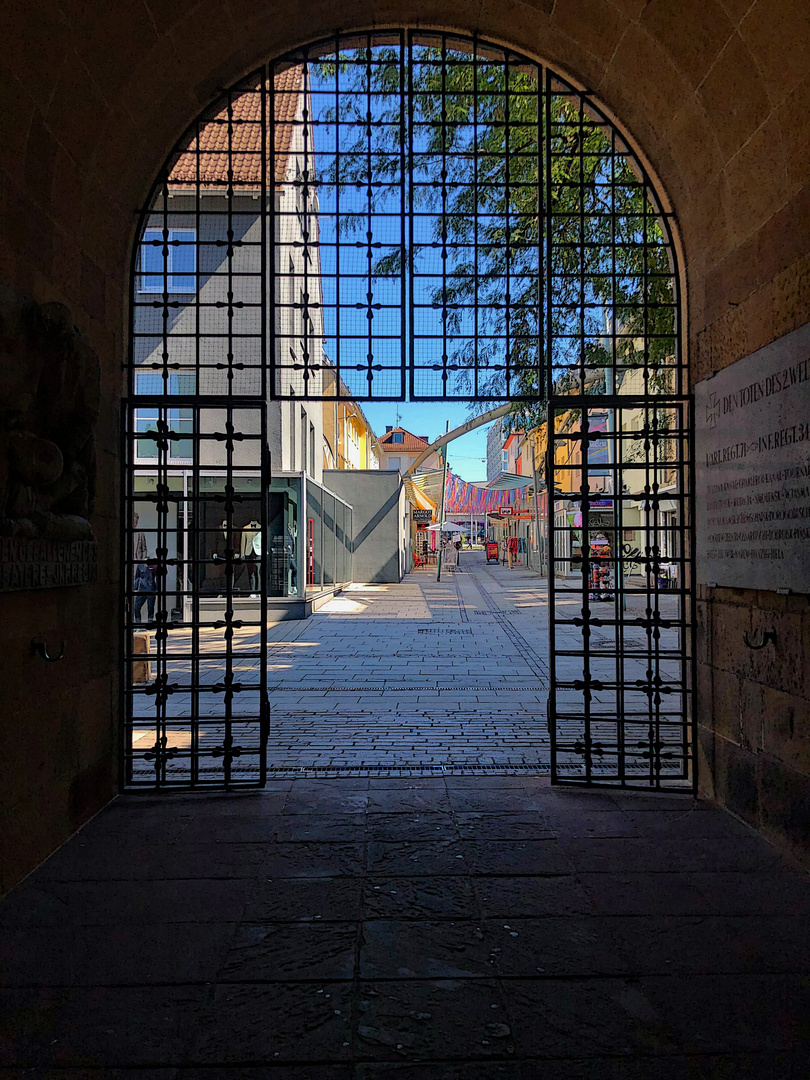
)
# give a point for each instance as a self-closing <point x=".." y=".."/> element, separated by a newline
<point x="426" y="677"/>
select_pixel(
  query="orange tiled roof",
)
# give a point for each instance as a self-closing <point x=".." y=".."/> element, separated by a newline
<point x="245" y="137"/>
<point x="409" y="441"/>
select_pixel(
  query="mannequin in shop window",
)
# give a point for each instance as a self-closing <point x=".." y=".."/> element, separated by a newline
<point x="290" y="549"/>
<point x="144" y="576"/>
<point x="145" y="589"/>
<point x="222" y="550"/>
<point x="250" y="534"/>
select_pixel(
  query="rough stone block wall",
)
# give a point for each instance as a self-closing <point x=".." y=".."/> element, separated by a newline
<point x="58" y="746"/>
<point x="754" y="709"/>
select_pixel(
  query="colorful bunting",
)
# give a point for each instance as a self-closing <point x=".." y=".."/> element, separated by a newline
<point x="464" y="498"/>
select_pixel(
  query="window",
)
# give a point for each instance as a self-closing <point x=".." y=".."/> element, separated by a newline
<point x="311" y="449"/>
<point x="394" y="463"/>
<point x="177" y="272"/>
<point x="396" y="437"/>
<point x="179" y="420"/>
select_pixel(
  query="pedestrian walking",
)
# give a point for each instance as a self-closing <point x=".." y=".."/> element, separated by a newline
<point x="450" y="555"/>
<point x="144" y="591"/>
<point x="143" y="577"/>
<point x="512" y="550"/>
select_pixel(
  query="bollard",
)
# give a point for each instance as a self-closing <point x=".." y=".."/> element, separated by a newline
<point x="141" y="669"/>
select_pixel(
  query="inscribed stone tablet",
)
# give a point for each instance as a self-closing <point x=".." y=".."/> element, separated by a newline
<point x="753" y="469"/>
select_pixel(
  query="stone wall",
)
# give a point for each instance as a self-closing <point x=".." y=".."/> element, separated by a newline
<point x="716" y="94"/>
<point x="754" y="709"/>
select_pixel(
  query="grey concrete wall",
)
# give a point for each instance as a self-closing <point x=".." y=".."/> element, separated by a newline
<point x="378" y="500"/>
<point x="404" y="511"/>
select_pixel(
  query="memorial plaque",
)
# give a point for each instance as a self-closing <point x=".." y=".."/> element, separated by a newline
<point x="46" y="564"/>
<point x="753" y="470"/>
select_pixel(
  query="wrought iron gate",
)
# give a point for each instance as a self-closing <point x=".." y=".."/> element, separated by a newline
<point x="412" y="215"/>
<point x="620" y="655"/>
<point x="195" y="644"/>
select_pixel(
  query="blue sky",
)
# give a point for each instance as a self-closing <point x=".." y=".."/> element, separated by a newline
<point x="348" y="217"/>
<point x="429" y="418"/>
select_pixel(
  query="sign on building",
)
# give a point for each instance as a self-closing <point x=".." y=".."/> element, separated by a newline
<point x="753" y="469"/>
<point x="505" y="511"/>
<point x="423" y="517"/>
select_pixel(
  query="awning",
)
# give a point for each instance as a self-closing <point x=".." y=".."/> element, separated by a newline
<point x="418" y="498"/>
<point x="507" y="481"/>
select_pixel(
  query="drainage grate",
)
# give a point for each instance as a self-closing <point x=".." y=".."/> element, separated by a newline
<point x="443" y="630"/>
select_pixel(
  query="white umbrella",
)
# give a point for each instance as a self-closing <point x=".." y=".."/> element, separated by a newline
<point x="446" y="526"/>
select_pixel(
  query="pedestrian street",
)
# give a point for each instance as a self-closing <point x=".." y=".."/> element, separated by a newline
<point x="419" y="677"/>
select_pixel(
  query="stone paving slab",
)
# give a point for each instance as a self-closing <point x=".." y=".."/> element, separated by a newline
<point x="447" y="927"/>
<point x="420" y="676"/>
<point x="455" y="919"/>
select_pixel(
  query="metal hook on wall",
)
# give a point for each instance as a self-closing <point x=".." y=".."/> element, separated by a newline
<point x="767" y="635"/>
<point x="41" y="649"/>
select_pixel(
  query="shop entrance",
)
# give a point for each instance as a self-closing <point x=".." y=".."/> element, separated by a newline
<point x="390" y="216"/>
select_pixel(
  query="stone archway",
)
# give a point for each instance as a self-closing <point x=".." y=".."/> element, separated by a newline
<point x="716" y="97"/>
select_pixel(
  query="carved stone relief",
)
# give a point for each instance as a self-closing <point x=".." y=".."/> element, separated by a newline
<point x="49" y="406"/>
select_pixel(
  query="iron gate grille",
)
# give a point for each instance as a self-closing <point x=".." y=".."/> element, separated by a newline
<point x="620" y="655"/>
<point x="195" y="647"/>
<point x="416" y="202"/>
<point x="418" y="215"/>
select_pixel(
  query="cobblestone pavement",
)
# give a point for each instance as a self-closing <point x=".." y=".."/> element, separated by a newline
<point x="423" y="676"/>
<point x="447" y="928"/>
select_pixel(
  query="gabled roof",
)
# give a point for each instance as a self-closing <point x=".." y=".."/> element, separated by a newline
<point x="409" y="441"/>
<point x="242" y="137"/>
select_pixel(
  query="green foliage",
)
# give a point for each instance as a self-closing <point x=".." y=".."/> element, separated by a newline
<point x="473" y="144"/>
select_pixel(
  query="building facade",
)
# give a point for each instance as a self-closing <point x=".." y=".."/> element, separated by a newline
<point x="513" y="451"/>
<point x="349" y="441"/>
<point x="496" y="455"/>
<point x="400" y="449"/>
<point x="200" y="250"/>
